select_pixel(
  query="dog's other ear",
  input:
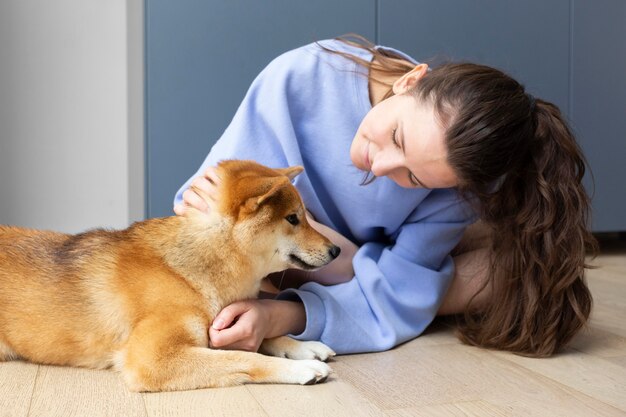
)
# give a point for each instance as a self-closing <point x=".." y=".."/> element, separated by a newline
<point x="290" y="172"/>
<point x="275" y="184"/>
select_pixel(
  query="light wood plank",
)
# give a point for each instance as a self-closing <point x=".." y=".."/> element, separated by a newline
<point x="334" y="398"/>
<point x="226" y="402"/>
<point x="612" y="262"/>
<point x="619" y="360"/>
<point x="609" y="319"/>
<point x="616" y="265"/>
<point x="16" y="387"/>
<point x="416" y="376"/>
<point x="393" y="380"/>
<point x="64" y="391"/>
<point x="598" y="342"/>
<point x="467" y="409"/>
<point x="587" y="374"/>
<point x="608" y="287"/>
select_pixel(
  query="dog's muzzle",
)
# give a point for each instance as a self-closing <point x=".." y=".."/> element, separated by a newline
<point x="333" y="252"/>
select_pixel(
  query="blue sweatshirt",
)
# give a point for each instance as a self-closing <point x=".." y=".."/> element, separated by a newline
<point x="304" y="109"/>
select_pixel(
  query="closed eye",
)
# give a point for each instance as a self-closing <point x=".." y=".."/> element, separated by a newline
<point x="414" y="181"/>
<point x="412" y="178"/>
<point x="394" y="140"/>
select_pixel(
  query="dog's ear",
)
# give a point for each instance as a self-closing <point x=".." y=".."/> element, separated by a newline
<point x="290" y="172"/>
<point x="272" y="185"/>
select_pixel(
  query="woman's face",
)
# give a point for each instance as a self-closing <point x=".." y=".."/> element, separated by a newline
<point x="400" y="138"/>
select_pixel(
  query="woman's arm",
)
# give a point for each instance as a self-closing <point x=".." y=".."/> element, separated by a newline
<point x="471" y="271"/>
<point x="398" y="286"/>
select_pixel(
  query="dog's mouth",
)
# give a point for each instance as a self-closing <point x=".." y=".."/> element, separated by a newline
<point x="301" y="263"/>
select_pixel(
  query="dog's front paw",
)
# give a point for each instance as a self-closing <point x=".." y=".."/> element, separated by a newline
<point x="286" y="347"/>
<point x="309" y="372"/>
<point x="310" y="350"/>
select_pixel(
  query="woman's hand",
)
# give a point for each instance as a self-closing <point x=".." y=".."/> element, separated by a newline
<point x="243" y="325"/>
<point x="202" y="187"/>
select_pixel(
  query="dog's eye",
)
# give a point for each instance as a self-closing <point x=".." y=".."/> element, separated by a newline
<point x="293" y="219"/>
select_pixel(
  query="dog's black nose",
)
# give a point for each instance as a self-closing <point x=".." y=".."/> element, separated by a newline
<point x="334" y="251"/>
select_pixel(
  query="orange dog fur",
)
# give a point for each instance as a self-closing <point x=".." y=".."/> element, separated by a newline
<point x="140" y="300"/>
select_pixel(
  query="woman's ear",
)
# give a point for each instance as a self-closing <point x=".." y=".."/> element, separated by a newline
<point x="410" y="79"/>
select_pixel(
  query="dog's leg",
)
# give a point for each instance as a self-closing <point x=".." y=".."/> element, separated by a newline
<point x="195" y="367"/>
<point x="168" y="359"/>
<point x="286" y="347"/>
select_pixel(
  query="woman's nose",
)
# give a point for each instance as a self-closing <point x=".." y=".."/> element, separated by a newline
<point x="384" y="163"/>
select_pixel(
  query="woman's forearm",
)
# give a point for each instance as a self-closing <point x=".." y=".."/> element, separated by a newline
<point x="286" y="317"/>
<point x="471" y="273"/>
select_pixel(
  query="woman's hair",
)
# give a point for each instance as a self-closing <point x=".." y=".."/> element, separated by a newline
<point x="517" y="157"/>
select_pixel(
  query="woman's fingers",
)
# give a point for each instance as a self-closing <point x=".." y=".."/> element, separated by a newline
<point x="212" y="176"/>
<point x="228" y="314"/>
<point x="211" y="182"/>
<point x="191" y="198"/>
<point x="202" y="188"/>
<point x="179" y="209"/>
<point x="235" y="327"/>
<point x="237" y="336"/>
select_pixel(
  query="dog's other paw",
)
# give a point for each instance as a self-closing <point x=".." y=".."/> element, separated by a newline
<point x="286" y="347"/>
<point x="309" y="372"/>
<point x="311" y="350"/>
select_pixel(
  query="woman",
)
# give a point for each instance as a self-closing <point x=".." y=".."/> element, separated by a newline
<point x="445" y="146"/>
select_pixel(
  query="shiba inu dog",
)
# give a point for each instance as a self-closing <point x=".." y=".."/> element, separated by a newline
<point x="140" y="300"/>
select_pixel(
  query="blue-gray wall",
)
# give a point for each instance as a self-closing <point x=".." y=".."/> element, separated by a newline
<point x="201" y="57"/>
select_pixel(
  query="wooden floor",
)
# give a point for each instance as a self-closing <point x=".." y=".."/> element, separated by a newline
<point x="433" y="375"/>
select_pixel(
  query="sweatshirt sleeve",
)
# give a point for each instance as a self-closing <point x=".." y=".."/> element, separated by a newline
<point x="397" y="288"/>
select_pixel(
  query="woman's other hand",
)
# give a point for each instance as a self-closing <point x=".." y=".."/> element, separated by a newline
<point x="202" y="188"/>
